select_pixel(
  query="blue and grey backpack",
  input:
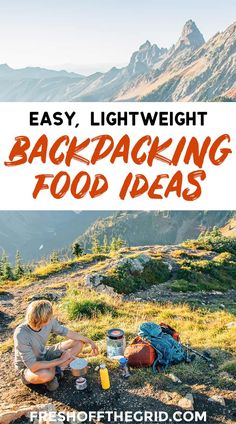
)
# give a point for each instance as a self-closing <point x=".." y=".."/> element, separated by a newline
<point x="169" y="351"/>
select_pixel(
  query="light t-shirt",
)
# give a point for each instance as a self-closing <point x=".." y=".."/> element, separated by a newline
<point x="30" y="345"/>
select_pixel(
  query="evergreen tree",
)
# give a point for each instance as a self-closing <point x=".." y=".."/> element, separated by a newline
<point x="117" y="243"/>
<point x="113" y="246"/>
<point x="1" y="267"/>
<point x="7" y="273"/>
<point x="54" y="258"/>
<point x="105" y="247"/>
<point x="96" y="247"/>
<point x="77" y="249"/>
<point x="19" y="269"/>
<point x="120" y="243"/>
<point x="29" y="268"/>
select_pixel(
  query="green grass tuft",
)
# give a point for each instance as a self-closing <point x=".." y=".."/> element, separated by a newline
<point x="83" y="304"/>
<point x="87" y="308"/>
<point x="230" y="367"/>
<point x="183" y="286"/>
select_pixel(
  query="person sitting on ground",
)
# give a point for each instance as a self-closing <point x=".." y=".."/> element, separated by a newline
<point x="37" y="363"/>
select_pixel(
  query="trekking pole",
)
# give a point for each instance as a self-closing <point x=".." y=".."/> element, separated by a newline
<point x="187" y="347"/>
<point x="187" y="352"/>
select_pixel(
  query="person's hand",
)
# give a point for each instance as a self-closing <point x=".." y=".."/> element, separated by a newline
<point x="94" y="348"/>
<point x="66" y="356"/>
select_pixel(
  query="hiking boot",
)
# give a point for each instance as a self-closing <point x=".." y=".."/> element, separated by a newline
<point x="59" y="372"/>
<point x="52" y="385"/>
<point x="23" y="379"/>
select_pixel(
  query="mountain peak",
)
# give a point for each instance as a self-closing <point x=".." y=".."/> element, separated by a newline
<point x="144" y="58"/>
<point x="5" y="66"/>
<point x="191" y="36"/>
<point x="189" y="27"/>
<point x="145" y="46"/>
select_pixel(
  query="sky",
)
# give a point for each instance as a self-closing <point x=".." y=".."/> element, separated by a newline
<point x="90" y="35"/>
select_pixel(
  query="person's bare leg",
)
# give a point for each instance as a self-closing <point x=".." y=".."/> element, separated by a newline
<point x="75" y="347"/>
<point x="39" y="377"/>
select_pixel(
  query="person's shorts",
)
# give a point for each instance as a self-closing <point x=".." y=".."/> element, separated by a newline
<point x="51" y="353"/>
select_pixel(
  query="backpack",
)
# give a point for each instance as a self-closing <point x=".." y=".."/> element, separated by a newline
<point x="140" y="353"/>
<point x="169" y="330"/>
<point x="169" y="351"/>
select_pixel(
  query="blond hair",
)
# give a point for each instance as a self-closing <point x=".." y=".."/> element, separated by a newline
<point x="38" y="313"/>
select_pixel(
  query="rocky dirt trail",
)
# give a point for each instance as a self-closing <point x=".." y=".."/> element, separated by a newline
<point x="163" y="294"/>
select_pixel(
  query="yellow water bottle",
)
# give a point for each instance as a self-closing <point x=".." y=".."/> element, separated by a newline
<point x="104" y="376"/>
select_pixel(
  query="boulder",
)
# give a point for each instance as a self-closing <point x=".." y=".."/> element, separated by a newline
<point x="102" y="288"/>
<point x="144" y="258"/>
<point x="110" y="290"/>
<point x="134" y="264"/>
<point x="187" y="402"/>
<point x="217" y="399"/>
<point x="93" y="280"/>
<point x="173" y="378"/>
<point x="97" y="280"/>
<point x="88" y="282"/>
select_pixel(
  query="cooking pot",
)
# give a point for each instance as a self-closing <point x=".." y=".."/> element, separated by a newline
<point x="79" y="367"/>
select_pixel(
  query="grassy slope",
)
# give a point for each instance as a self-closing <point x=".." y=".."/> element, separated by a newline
<point x="203" y="328"/>
<point x="92" y="313"/>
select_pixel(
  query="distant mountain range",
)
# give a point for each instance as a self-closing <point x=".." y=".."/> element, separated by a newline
<point x="37" y="234"/>
<point x="140" y="228"/>
<point x="191" y="70"/>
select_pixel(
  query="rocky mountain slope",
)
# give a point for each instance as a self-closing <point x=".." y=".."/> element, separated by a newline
<point x="191" y="70"/>
<point x="229" y="230"/>
<point x="154" y="227"/>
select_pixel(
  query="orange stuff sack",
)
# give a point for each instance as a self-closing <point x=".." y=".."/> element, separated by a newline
<point x="140" y="353"/>
<point x="169" y="330"/>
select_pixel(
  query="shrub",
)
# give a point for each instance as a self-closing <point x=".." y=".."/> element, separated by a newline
<point x="184" y="254"/>
<point x="216" y="274"/>
<point x="230" y="367"/>
<point x="124" y="280"/>
<point x="86" y="308"/>
<point x="223" y="258"/>
<point x="203" y="266"/>
<point x="213" y="241"/>
<point x="183" y="285"/>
